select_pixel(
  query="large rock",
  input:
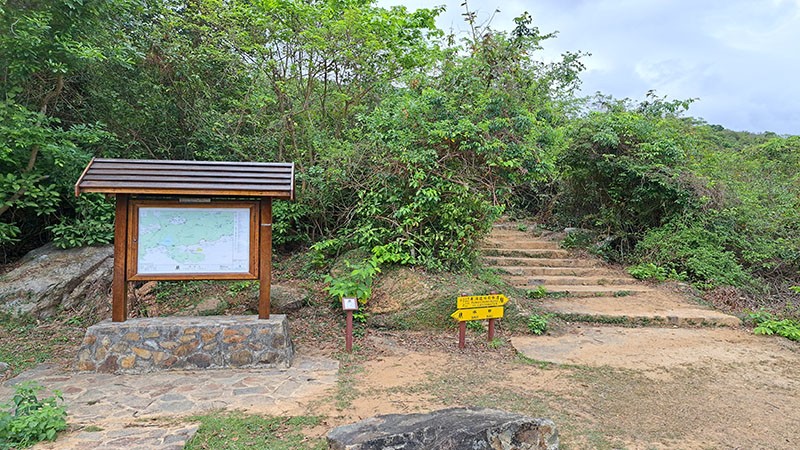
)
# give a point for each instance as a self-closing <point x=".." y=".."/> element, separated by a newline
<point x="49" y="279"/>
<point x="447" y="429"/>
<point x="283" y="297"/>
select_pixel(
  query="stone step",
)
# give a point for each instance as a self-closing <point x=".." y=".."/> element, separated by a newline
<point x="655" y="350"/>
<point x="641" y="310"/>
<point x="522" y="253"/>
<point x="563" y="263"/>
<point x="493" y="243"/>
<point x="554" y="271"/>
<point x="509" y="233"/>
<point x="619" y="290"/>
<point x="513" y="226"/>
<point x="570" y="280"/>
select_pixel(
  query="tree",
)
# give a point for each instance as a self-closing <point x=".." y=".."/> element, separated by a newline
<point x="43" y="46"/>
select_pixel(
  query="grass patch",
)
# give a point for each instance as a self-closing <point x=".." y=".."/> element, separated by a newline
<point x="608" y="320"/>
<point x="25" y="343"/>
<point x="237" y="430"/>
<point x="524" y="360"/>
<point x="346" y="390"/>
<point x="180" y="295"/>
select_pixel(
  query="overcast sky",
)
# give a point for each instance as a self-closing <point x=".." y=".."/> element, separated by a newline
<point x="740" y="58"/>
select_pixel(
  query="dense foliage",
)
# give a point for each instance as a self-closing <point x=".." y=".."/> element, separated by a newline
<point x="408" y="142"/>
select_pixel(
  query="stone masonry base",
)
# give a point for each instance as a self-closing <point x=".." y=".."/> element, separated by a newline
<point x="164" y="343"/>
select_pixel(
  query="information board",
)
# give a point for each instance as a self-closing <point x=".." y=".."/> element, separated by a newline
<point x="172" y="240"/>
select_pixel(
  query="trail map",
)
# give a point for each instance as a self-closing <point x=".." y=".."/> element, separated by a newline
<point x="193" y="240"/>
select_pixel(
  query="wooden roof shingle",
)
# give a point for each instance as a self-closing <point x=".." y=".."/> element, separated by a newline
<point x="207" y="178"/>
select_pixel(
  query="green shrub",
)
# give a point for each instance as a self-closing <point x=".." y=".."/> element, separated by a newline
<point x="538" y="292"/>
<point x="686" y="246"/>
<point x="623" y="170"/>
<point x="93" y="223"/>
<point x="29" y="420"/>
<point x="648" y="271"/>
<point x="766" y="324"/>
<point x="537" y="323"/>
<point x="356" y="283"/>
<point x="579" y="239"/>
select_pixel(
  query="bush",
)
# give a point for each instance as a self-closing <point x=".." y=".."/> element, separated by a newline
<point x="93" y="224"/>
<point x="650" y="271"/>
<point x="539" y="292"/>
<point x="624" y="173"/>
<point x="766" y="324"/>
<point x="688" y="247"/>
<point x="537" y="323"/>
<point x="578" y="239"/>
<point x="30" y="420"/>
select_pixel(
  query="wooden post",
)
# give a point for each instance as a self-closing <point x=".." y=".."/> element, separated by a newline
<point x="265" y="257"/>
<point x="348" y="333"/>
<point x="462" y="334"/>
<point x="119" y="284"/>
<point x="490" y="335"/>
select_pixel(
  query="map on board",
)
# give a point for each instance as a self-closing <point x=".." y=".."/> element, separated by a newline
<point x="193" y="240"/>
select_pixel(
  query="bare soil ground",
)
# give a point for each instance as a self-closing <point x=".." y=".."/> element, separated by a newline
<point x="673" y="388"/>
<point x="737" y="391"/>
<point x="605" y="387"/>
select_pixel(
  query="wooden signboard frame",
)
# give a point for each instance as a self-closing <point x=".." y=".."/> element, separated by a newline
<point x="134" y="236"/>
<point x="126" y="230"/>
<point x="188" y="184"/>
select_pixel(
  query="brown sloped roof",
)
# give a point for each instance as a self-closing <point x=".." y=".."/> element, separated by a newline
<point x="208" y="178"/>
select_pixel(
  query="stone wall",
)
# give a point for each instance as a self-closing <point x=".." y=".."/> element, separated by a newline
<point x="164" y="343"/>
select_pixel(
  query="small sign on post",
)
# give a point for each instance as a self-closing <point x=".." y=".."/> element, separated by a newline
<point x="349" y="304"/>
<point x="478" y="307"/>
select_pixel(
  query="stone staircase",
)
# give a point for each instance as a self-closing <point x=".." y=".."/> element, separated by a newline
<point x="583" y="288"/>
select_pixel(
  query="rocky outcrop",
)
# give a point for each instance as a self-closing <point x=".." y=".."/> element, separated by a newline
<point x="447" y="429"/>
<point x="49" y="280"/>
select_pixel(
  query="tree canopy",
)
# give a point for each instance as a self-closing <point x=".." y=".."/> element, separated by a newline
<point x="408" y="142"/>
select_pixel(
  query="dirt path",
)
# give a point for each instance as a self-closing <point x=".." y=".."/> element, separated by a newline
<point x="690" y="378"/>
<point x="736" y="391"/>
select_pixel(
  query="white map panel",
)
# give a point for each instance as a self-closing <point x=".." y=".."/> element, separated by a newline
<point x="193" y="240"/>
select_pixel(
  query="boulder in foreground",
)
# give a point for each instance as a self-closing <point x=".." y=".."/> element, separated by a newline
<point x="447" y="429"/>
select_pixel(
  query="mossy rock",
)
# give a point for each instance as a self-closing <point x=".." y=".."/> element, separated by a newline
<point x="407" y="298"/>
